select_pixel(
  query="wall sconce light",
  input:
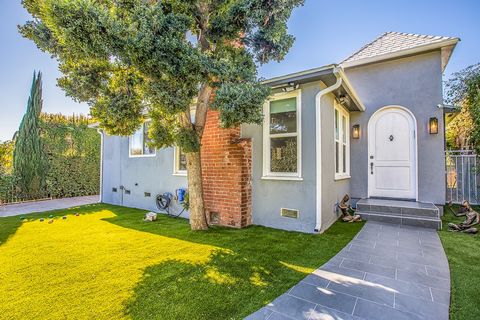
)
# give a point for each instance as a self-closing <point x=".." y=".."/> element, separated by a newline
<point x="356" y="131"/>
<point x="433" y="125"/>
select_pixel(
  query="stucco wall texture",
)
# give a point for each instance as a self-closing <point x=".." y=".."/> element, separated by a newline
<point x="414" y="83"/>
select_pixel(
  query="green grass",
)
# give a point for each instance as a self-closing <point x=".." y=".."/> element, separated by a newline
<point x="463" y="253"/>
<point x="109" y="264"/>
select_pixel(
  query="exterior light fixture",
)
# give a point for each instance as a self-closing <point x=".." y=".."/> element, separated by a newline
<point x="433" y="125"/>
<point x="356" y="131"/>
<point x="291" y="86"/>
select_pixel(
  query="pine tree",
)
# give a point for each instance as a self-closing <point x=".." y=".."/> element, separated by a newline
<point x="28" y="157"/>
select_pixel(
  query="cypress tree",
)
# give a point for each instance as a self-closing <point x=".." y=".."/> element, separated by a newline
<point x="28" y="156"/>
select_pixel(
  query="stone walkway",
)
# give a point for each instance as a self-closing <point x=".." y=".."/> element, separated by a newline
<point x="45" y="205"/>
<point x="386" y="272"/>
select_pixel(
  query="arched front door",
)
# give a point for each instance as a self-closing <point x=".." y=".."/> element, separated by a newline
<point x="392" y="154"/>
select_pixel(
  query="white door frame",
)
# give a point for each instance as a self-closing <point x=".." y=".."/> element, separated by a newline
<point x="415" y="142"/>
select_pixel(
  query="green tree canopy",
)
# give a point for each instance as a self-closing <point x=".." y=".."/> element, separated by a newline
<point x="463" y="89"/>
<point x="29" y="162"/>
<point x="132" y="59"/>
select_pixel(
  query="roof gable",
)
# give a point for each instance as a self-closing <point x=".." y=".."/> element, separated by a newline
<point x="396" y="44"/>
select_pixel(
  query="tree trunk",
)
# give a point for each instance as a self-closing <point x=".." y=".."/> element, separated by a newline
<point x="198" y="219"/>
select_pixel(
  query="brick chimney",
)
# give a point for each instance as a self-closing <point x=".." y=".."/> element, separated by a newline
<point x="227" y="174"/>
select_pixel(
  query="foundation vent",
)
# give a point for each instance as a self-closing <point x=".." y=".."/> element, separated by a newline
<point x="289" y="213"/>
<point x="214" y="217"/>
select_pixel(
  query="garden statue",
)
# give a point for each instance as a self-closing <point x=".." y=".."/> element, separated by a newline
<point x="472" y="219"/>
<point x="348" y="214"/>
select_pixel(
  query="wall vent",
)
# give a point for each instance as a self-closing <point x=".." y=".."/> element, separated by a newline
<point x="214" y="217"/>
<point x="114" y="189"/>
<point x="289" y="213"/>
<point x="148" y="194"/>
<point x="127" y="191"/>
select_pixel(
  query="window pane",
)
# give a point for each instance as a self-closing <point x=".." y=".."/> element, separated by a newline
<point x="182" y="161"/>
<point x="344" y="129"/>
<point x="146" y="148"/>
<point x="283" y="116"/>
<point x="283" y="154"/>
<point x="344" y="157"/>
<point x="337" y="130"/>
<point x="337" y="150"/>
<point x="136" y="142"/>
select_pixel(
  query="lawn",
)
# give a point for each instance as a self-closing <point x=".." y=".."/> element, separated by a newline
<point x="463" y="252"/>
<point x="107" y="263"/>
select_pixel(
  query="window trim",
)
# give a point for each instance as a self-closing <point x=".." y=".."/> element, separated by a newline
<point x="342" y="112"/>
<point x="176" y="164"/>
<point x="130" y="155"/>
<point x="267" y="174"/>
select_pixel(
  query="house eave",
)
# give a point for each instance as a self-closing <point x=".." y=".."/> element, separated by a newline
<point x="300" y="77"/>
<point x="328" y="75"/>
<point x="445" y="46"/>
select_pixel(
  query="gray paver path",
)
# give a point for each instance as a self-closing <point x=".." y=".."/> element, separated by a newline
<point x="45" y="205"/>
<point x="386" y="272"/>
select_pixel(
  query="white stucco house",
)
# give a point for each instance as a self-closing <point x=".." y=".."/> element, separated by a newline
<point x="371" y="126"/>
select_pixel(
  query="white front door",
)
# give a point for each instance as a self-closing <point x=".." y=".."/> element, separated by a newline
<point x="392" y="149"/>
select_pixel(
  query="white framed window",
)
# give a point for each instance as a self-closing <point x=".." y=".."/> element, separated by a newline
<point x="342" y="142"/>
<point x="179" y="162"/>
<point x="138" y="143"/>
<point x="282" y="151"/>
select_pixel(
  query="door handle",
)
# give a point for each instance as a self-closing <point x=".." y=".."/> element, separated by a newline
<point x="371" y="167"/>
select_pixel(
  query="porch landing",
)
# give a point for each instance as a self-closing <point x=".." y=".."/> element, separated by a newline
<point x="407" y="213"/>
<point x="386" y="272"/>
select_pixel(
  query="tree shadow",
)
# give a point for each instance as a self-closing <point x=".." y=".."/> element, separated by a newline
<point x="252" y="267"/>
<point x="229" y="286"/>
<point x="249" y="268"/>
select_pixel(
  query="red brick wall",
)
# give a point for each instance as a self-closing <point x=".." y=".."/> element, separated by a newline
<point x="227" y="171"/>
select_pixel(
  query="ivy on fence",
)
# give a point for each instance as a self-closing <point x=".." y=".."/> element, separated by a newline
<point x="73" y="159"/>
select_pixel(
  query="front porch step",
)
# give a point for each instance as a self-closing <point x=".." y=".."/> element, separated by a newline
<point x="412" y="208"/>
<point x="405" y="220"/>
<point x="409" y="213"/>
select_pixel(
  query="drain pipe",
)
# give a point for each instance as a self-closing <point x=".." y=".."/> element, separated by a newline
<point x="318" y="145"/>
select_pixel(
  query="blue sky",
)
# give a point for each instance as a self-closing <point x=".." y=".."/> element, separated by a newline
<point x="326" y="32"/>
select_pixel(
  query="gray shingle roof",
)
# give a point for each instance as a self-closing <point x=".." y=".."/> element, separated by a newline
<point x="390" y="42"/>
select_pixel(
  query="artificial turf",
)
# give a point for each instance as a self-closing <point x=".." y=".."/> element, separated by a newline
<point x="463" y="253"/>
<point x="107" y="263"/>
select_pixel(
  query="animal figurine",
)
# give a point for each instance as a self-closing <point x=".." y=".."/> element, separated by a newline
<point x="150" y="216"/>
<point x="64" y="217"/>
<point x="77" y="214"/>
<point x="50" y="221"/>
<point x="41" y="219"/>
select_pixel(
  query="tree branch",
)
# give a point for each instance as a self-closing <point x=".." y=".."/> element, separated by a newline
<point x="202" y="108"/>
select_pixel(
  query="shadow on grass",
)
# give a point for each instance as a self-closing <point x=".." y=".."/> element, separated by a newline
<point x="250" y="268"/>
<point x="229" y="286"/>
<point x="253" y="267"/>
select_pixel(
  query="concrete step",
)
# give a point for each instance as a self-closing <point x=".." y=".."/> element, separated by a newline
<point x="399" y="207"/>
<point x="402" y="219"/>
